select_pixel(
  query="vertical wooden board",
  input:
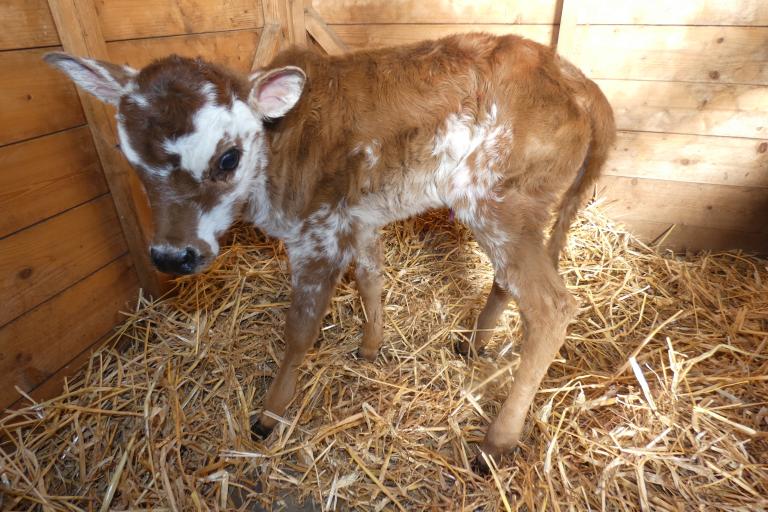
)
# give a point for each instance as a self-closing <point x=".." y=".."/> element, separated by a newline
<point x="692" y="204"/>
<point x="43" y="260"/>
<point x="26" y="24"/>
<point x="696" y="108"/>
<point x="37" y="344"/>
<point x="233" y="49"/>
<point x="44" y="176"/>
<point x="690" y="158"/>
<point x="438" y="11"/>
<point x="35" y="98"/>
<point x="129" y="19"/>
<point x="679" y="12"/>
<point x="374" y="36"/>
<point x="695" y="54"/>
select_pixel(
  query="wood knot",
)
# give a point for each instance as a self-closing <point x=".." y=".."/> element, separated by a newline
<point x="25" y="273"/>
<point x="762" y="147"/>
<point x="714" y="75"/>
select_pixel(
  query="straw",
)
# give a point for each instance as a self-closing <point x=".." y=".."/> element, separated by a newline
<point x="657" y="401"/>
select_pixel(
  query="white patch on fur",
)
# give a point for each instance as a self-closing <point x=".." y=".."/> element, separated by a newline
<point x="366" y="249"/>
<point x="212" y="124"/>
<point x="132" y="155"/>
<point x="318" y="238"/>
<point x="139" y="99"/>
<point x="461" y="138"/>
<point x="467" y="158"/>
<point x="245" y="125"/>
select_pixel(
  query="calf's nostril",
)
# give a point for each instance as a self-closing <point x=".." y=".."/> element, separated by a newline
<point x="190" y="256"/>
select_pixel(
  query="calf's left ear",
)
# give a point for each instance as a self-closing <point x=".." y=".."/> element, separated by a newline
<point x="106" y="81"/>
<point x="275" y="92"/>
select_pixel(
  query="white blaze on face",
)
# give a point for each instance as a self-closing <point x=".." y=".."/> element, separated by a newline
<point x="213" y="124"/>
<point x="132" y="155"/>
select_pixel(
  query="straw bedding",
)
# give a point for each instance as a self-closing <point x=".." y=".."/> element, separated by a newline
<point x="658" y="400"/>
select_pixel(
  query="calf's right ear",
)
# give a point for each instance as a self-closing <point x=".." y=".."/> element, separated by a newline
<point x="275" y="92"/>
<point x="106" y="81"/>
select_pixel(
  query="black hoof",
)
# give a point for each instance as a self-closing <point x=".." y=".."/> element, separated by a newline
<point x="259" y="432"/>
<point x="465" y="349"/>
<point x="480" y="467"/>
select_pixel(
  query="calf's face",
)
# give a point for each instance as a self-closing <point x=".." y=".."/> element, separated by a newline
<point x="195" y="134"/>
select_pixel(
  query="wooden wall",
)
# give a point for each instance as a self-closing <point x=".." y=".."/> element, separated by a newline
<point x="65" y="272"/>
<point x="688" y="82"/>
<point x="373" y="23"/>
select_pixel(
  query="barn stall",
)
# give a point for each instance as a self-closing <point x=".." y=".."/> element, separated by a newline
<point x="124" y="391"/>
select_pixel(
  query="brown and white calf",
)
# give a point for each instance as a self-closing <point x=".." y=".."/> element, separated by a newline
<point x="322" y="151"/>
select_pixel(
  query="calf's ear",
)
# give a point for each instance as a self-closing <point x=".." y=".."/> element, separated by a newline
<point x="275" y="92"/>
<point x="106" y="81"/>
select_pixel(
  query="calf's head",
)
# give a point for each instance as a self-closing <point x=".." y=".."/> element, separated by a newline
<point x="195" y="134"/>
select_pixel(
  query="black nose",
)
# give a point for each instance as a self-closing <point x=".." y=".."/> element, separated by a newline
<point x="175" y="261"/>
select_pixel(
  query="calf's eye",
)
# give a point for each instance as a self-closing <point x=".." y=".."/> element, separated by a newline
<point x="229" y="160"/>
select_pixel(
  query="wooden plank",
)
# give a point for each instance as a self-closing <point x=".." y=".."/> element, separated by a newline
<point x="129" y="19"/>
<point x="706" y="109"/>
<point x="43" y="260"/>
<point x="298" y="25"/>
<point x="37" y="344"/>
<point x="566" y="43"/>
<point x="680" y="12"/>
<point x="690" y="158"/>
<point x="694" y="54"/>
<point x="32" y="24"/>
<point x="78" y="26"/>
<point x="712" y="206"/>
<point x="233" y="49"/>
<point x="373" y="36"/>
<point x="42" y="177"/>
<point x="269" y="45"/>
<point x="323" y="34"/>
<point x="54" y="384"/>
<point x="696" y="238"/>
<point x="35" y="99"/>
<point x="438" y="11"/>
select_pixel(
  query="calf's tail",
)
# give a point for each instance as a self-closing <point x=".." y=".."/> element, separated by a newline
<point x="603" y="134"/>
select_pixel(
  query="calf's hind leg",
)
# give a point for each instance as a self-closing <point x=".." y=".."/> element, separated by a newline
<point x="546" y="308"/>
<point x="497" y="301"/>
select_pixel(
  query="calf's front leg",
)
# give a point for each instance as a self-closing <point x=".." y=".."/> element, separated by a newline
<point x="313" y="284"/>
<point x="368" y="260"/>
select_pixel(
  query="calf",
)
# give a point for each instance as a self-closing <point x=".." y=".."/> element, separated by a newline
<point x="322" y="151"/>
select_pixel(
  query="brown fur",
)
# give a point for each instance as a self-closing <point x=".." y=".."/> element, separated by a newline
<point x="400" y="97"/>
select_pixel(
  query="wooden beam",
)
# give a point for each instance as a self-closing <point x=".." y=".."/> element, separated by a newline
<point x="566" y="43"/>
<point x="322" y="33"/>
<point x="78" y="27"/>
<point x="269" y="44"/>
<point x="299" y="31"/>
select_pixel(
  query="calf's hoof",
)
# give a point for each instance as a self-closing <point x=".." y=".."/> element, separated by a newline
<point x="367" y="354"/>
<point x="480" y="467"/>
<point x="464" y="348"/>
<point x="259" y="431"/>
